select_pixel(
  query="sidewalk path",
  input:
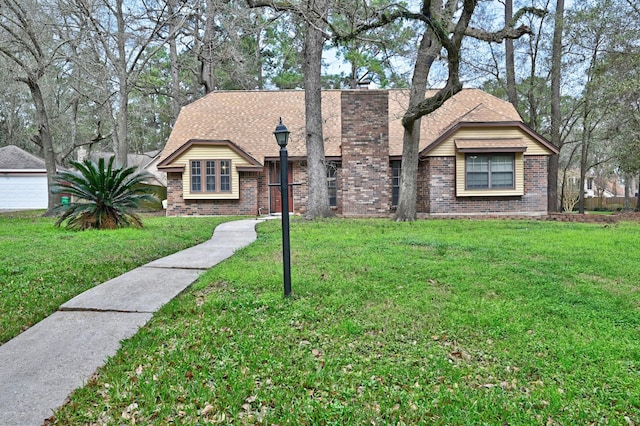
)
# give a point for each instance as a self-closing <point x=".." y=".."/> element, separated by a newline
<point x="40" y="367"/>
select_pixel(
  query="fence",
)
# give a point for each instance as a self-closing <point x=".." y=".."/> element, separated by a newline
<point x="608" y="203"/>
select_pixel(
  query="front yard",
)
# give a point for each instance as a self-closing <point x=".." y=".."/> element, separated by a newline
<point x="42" y="266"/>
<point x="442" y="321"/>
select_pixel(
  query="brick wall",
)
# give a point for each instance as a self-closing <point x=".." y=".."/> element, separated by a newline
<point x="365" y="184"/>
<point x="422" y="197"/>
<point x="246" y="205"/>
<point x="442" y="199"/>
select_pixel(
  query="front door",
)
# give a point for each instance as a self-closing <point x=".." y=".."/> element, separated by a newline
<point x="274" y="191"/>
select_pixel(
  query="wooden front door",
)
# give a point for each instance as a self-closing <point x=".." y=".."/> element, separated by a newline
<point x="274" y="191"/>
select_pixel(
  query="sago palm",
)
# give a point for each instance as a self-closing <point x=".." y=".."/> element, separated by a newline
<point x="104" y="196"/>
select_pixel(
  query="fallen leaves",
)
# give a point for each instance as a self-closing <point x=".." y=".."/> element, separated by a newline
<point x="130" y="412"/>
<point x="458" y="353"/>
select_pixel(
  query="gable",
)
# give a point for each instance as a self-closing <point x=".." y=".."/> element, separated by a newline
<point x="215" y="149"/>
<point x="217" y="153"/>
<point x="495" y="134"/>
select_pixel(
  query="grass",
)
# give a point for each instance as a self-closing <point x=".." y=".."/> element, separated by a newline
<point x="43" y="266"/>
<point x="432" y="322"/>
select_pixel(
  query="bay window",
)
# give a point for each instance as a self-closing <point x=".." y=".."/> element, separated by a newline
<point x="490" y="171"/>
<point x="212" y="175"/>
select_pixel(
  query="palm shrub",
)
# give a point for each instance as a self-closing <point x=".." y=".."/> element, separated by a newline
<point x="104" y="196"/>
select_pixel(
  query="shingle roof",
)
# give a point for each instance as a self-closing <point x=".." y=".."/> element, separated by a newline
<point x="14" y="158"/>
<point x="248" y="118"/>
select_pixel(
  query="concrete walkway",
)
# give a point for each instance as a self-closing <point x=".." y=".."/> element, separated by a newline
<point x="42" y="366"/>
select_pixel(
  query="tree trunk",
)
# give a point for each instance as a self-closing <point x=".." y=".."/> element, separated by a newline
<point x="318" y="197"/>
<point x="627" y="192"/>
<point x="638" y="197"/>
<point x="207" y="69"/>
<point x="432" y="42"/>
<point x="556" y="64"/>
<point x="510" y="58"/>
<point x="427" y="54"/>
<point x="121" y="145"/>
<point x="586" y="140"/>
<point x="45" y="140"/>
<point x="176" y="96"/>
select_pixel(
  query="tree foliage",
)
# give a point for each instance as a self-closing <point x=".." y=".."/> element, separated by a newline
<point x="111" y="75"/>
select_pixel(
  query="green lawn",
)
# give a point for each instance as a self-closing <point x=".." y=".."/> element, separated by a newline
<point x="43" y="266"/>
<point x="443" y="321"/>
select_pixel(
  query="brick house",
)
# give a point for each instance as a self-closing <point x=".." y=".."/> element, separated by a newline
<point x="476" y="155"/>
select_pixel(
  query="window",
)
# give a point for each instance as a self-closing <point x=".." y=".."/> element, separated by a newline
<point x="490" y="171"/>
<point x="395" y="182"/>
<point x="216" y="177"/>
<point x="225" y="175"/>
<point x="332" y="183"/>
<point x="211" y="176"/>
<point x="196" y="176"/>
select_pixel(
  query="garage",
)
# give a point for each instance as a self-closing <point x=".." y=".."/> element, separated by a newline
<point x="23" y="180"/>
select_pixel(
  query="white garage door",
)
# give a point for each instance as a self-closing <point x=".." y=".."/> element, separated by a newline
<point x="23" y="192"/>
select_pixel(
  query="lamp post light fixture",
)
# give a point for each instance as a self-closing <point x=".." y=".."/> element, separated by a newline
<point x="282" y="137"/>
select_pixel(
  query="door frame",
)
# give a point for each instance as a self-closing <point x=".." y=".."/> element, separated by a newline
<point x="275" y="205"/>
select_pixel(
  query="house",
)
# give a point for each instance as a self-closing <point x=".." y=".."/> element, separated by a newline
<point x="23" y="180"/>
<point x="477" y="157"/>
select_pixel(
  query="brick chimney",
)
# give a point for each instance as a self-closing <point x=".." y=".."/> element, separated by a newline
<point x="366" y="183"/>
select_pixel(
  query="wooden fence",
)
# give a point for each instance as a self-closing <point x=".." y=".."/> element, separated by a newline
<point x="608" y="203"/>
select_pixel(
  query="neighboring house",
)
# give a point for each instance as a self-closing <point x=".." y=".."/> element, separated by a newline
<point x="597" y="185"/>
<point x="23" y="180"/>
<point x="147" y="162"/>
<point x="477" y="157"/>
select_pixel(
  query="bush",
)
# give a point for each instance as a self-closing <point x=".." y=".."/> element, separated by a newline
<point x="104" y="196"/>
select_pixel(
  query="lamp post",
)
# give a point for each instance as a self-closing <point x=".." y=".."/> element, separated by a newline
<point x="282" y="137"/>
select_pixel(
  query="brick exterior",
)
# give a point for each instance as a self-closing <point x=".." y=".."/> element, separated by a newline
<point x="364" y="176"/>
<point x="442" y="200"/>
<point x="422" y="198"/>
<point x="365" y="184"/>
<point x="246" y="205"/>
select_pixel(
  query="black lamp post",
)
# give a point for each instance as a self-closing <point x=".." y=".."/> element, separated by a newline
<point x="282" y="137"/>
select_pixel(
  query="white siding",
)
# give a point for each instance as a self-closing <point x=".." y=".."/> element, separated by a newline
<point x="23" y="192"/>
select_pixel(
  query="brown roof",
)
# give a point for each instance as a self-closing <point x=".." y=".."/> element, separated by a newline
<point x="248" y="118"/>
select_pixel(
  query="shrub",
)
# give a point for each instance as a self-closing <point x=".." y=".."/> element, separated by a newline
<point x="104" y="196"/>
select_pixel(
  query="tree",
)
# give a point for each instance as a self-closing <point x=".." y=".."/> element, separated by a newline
<point x="377" y="57"/>
<point x="14" y="107"/>
<point x="282" y="54"/>
<point x="445" y="26"/>
<point x="318" y="197"/>
<point x="510" y="58"/>
<point x="222" y="43"/>
<point x="445" y="31"/>
<point x="315" y="14"/>
<point x="556" y="117"/>
<point x="619" y="68"/>
<point x="595" y="31"/>
<point x="26" y="42"/>
<point x="124" y="40"/>
<point x="106" y="196"/>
